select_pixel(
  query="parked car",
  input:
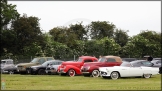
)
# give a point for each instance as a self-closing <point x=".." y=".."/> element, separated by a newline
<point x="138" y="63"/>
<point x="92" y="68"/>
<point x="6" y="63"/>
<point x="126" y="69"/>
<point x="157" y="63"/>
<point x="74" y="68"/>
<point x="53" y="68"/>
<point x="40" y="69"/>
<point x="22" y="68"/>
<point x="160" y="70"/>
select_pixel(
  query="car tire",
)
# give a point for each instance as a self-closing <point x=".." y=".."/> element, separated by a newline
<point x="146" y="75"/>
<point x="95" y="73"/>
<point x="114" y="75"/>
<point x="41" y="72"/>
<point x="71" y="72"/>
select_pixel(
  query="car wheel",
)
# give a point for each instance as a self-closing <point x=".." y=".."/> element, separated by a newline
<point x="146" y="75"/>
<point x="95" y="73"/>
<point x="41" y="72"/>
<point x="71" y="72"/>
<point x="114" y="75"/>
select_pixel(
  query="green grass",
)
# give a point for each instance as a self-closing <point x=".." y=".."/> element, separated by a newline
<point x="56" y="82"/>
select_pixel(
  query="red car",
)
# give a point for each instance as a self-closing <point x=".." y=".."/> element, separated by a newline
<point x="92" y="68"/>
<point x="73" y="68"/>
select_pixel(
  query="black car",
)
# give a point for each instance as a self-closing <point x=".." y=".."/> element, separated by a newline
<point x="40" y="69"/>
<point x="138" y="63"/>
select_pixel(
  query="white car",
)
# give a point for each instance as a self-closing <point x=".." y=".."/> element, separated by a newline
<point x="126" y="69"/>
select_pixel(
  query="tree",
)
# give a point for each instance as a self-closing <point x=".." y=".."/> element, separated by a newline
<point x="27" y="31"/>
<point x="121" y="37"/>
<point x="8" y="15"/>
<point x="101" y="29"/>
<point x="79" y="30"/>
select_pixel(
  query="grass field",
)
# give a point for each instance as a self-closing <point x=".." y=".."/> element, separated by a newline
<point x="56" y="82"/>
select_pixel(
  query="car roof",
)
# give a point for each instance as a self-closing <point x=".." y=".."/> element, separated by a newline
<point x="7" y="60"/>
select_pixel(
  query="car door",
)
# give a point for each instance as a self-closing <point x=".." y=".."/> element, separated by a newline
<point x="135" y="71"/>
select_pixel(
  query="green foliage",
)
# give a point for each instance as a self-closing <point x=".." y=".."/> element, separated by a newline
<point x="27" y="31"/>
<point x="8" y="13"/>
<point x="25" y="38"/>
<point x="101" y="29"/>
<point x="121" y="37"/>
<point x="79" y="30"/>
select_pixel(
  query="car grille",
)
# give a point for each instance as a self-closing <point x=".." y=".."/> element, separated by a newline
<point x="103" y="73"/>
<point x="84" y="69"/>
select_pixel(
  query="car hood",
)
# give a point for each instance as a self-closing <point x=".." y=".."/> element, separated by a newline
<point x="27" y="64"/>
<point x="70" y="63"/>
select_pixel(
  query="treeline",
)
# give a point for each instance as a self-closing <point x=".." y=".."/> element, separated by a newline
<point x="21" y="35"/>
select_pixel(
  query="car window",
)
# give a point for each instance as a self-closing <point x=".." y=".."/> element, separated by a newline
<point x="41" y="60"/>
<point x="3" y="62"/>
<point x="147" y="63"/>
<point x="111" y="60"/>
<point x="88" y="61"/>
<point x="79" y="60"/>
<point x="158" y="62"/>
<point x="102" y="59"/>
<point x="9" y="62"/>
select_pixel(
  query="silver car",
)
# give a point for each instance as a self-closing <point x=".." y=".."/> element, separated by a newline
<point x="5" y="64"/>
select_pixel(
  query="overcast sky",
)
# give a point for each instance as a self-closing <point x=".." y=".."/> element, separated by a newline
<point x="126" y="15"/>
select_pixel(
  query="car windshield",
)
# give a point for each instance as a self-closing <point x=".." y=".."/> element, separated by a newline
<point x="35" y="60"/>
<point x="3" y="62"/>
<point x="102" y="59"/>
<point x="79" y="60"/>
<point x="126" y="64"/>
<point x="47" y="62"/>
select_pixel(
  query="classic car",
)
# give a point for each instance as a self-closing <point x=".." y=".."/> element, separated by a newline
<point x="40" y="69"/>
<point x="160" y="70"/>
<point x="22" y="68"/>
<point x="92" y="68"/>
<point x="6" y="63"/>
<point x="53" y="68"/>
<point x="157" y="63"/>
<point x="73" y="68"/>
<point x="126" y="69"/>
